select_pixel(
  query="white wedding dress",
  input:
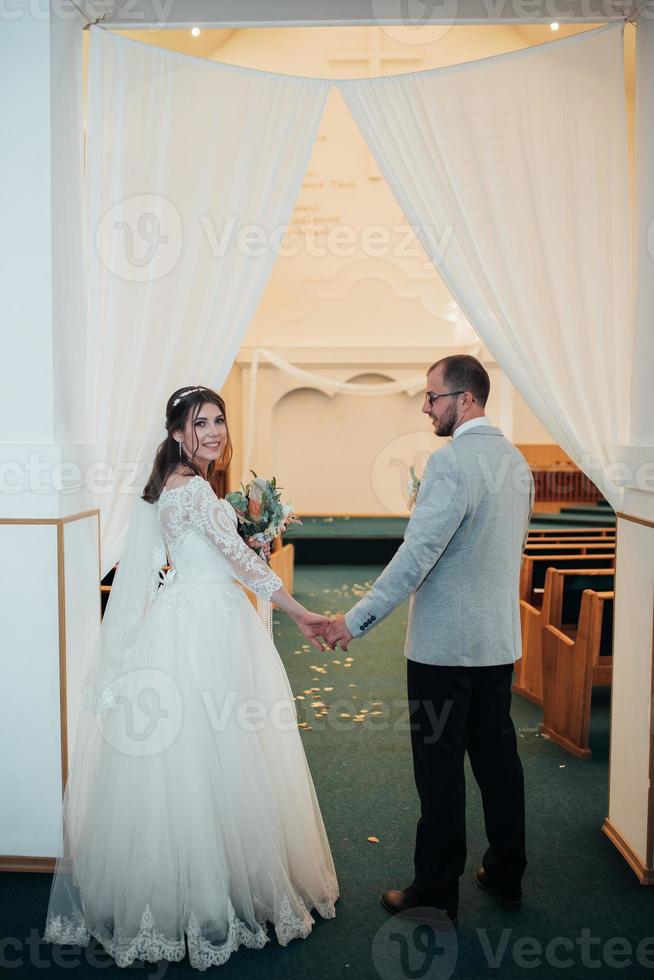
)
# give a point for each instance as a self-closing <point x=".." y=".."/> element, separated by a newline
<point x="190" y="815"/>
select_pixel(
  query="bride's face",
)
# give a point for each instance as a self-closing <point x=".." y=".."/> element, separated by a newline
<point x="205" y="436"/>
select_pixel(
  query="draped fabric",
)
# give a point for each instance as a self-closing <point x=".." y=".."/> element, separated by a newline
<point x="514" y="171"/>
<point x="193" y="168"/>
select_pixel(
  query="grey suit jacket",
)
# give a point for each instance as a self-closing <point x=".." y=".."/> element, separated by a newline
<point x="461" y="555"/>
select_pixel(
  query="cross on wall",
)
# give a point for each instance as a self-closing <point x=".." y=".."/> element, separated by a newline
<point x="376" y="57"/>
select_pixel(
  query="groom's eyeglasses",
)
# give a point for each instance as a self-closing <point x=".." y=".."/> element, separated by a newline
<point x="432" y="397"/>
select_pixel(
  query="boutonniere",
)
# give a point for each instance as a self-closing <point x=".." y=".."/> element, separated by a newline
<point x="413" y="487"/>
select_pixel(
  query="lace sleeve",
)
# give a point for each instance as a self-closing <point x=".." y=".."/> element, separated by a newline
<point x="215" y="517"/>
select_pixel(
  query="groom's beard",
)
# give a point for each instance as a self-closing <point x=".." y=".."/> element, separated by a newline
<point x="447" y="423"/>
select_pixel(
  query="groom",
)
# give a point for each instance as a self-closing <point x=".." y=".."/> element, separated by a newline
<point x="459" y="563"/>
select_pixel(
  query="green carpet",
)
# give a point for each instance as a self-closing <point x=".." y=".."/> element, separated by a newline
<point x="577" y="888"/>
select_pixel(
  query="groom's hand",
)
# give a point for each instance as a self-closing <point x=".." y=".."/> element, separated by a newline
<point x="337" y="632"/>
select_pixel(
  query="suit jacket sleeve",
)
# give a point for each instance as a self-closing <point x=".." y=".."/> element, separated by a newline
<point x="440" y="508"/>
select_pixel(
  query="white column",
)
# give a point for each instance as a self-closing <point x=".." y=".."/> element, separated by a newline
<point x="49" y="597"/>
<point x="630" y="821"/>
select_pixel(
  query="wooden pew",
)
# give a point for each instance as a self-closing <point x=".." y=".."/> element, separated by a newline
<point x="534" y="568"/>
<point x="572" y="666"/>
<point x="559" y="532"/>
<point x="561" y="608"/>
<point x="568" y="538"/>
<point x="569" y="548"/>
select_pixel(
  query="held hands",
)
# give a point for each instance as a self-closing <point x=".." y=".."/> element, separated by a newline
<point x="313" y="625"/>
<point x="332" y="631"/>
<point x="337" y="632"/>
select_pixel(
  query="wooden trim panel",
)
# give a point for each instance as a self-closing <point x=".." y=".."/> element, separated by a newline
<point x="644" y="874"/>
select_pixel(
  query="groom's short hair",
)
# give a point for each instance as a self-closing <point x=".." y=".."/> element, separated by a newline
<point x="464" y="372"/>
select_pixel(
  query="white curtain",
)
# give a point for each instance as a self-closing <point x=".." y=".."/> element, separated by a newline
<point x="514" y="171"/>
<point x="193" y="169"/>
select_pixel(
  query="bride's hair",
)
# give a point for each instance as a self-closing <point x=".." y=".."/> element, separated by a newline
<point x="183" y="403"/>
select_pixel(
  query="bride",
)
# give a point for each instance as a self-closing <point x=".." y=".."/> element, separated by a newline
<point x="190" y="815"/>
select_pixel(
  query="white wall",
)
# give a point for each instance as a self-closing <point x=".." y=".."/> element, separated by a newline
<point x="42" y="420"/>
<point x="26" y="382"/>
<point x="30" y="735"/>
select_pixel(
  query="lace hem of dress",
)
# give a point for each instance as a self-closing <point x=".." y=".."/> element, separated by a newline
<point x="151" y="945"/>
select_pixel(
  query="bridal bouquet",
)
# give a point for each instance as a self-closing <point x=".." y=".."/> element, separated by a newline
<point x="413" y="487"/>
<point x="260" y="511"/>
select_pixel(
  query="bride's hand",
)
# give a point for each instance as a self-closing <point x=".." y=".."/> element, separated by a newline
<point x="264" y="551"/>
<point x="313" y="625"/>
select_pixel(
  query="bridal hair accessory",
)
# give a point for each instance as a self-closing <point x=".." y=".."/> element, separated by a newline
<point x="185" y="393"/>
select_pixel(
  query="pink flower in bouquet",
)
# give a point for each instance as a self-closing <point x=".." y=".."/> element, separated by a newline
<point x="255" y="502"/>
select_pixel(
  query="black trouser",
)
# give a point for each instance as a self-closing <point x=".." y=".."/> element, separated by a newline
<point x="454" y="709"/>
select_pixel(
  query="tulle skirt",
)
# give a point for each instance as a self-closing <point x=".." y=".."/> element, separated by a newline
<point x="190" y="815"/>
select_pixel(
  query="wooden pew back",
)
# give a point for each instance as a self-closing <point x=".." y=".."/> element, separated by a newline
<point x="560" y="532"/>
<point x="534" y="567"/>
<point x="568" y="547"/>
<point x="562" y="597"/>
<point x="564" y="589"/>
<point x="571" y="667"/>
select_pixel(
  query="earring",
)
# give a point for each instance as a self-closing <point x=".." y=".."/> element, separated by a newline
<point x="180" y="449"/>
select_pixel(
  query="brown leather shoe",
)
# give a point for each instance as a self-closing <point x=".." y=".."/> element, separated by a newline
<point x="510" y="900"/>
<point x="413" y="905"/>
